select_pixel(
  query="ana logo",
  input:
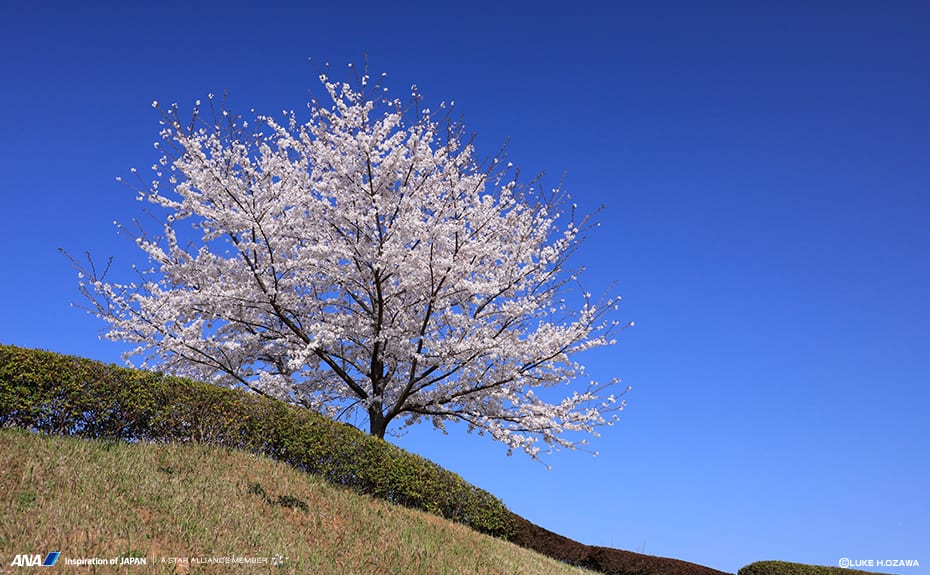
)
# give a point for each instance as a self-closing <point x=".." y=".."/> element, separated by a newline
<point x="26" y="560"/>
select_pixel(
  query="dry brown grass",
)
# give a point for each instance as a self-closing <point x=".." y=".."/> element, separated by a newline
<point x="98" y="499"/>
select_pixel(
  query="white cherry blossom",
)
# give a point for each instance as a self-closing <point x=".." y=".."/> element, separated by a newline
<point x="364" y="262"/>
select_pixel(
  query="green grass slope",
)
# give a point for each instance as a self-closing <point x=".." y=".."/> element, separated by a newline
<point x="200" y="509"/>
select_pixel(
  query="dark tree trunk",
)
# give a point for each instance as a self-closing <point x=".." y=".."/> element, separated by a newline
<point x="377" y="422"/>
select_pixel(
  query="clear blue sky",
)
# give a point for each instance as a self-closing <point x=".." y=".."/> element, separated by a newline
<point x="765" y="168"/>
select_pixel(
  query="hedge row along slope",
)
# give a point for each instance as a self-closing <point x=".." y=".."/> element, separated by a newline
<point x="65" y="395"/>
<point x="785" y="568"/>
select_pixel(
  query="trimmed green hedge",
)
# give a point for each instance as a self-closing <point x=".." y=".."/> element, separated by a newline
<point x="66" y="395"/>
<point x="785" y="568"/>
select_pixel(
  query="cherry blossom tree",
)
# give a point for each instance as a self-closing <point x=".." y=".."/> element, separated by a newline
<point x="363" y="262"/>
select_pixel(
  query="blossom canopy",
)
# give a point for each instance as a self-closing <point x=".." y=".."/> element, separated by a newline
<point x="363" y="262"/>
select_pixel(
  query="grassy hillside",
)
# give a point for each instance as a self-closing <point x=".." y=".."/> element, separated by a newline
<point x="108" y="499"/>
<point x="73" y="396"/>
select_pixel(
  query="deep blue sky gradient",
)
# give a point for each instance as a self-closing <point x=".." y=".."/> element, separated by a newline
<point x="764" y="169"/>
